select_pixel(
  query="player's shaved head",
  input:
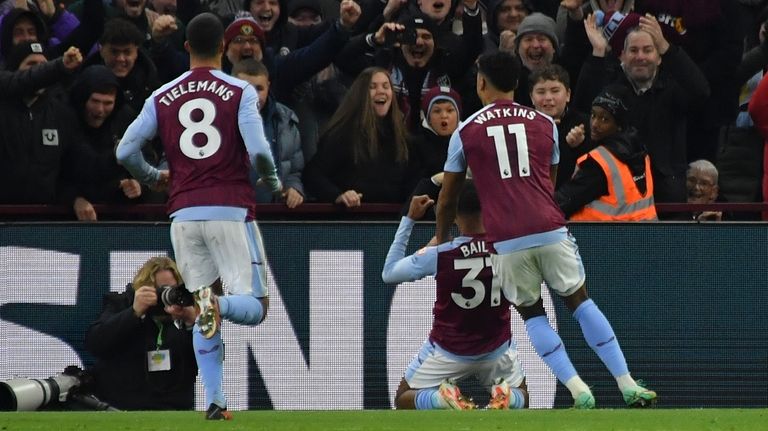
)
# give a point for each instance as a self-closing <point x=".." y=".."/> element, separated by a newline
<point x="205" y="33"/>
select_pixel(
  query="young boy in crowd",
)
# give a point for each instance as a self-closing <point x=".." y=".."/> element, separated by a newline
<point x="281" y="127"/>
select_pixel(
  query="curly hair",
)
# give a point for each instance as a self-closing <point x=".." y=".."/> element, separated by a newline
<point x="145" y="276"/>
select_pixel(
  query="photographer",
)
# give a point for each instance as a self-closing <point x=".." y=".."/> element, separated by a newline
<point x="145" y="359"/>
<point x="411" y="51"/>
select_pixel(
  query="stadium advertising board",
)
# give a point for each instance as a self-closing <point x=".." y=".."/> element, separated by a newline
<point x="687" y="303"/>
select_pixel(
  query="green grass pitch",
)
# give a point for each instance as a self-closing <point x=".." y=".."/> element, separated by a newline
<point x="375" y="420"/>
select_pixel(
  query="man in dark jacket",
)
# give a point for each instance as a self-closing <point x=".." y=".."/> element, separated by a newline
<point x="244" y="38"/>
<point x="282" y="133"/>
<point x="97" y="100"/>
<point x="38" y="142"/>
<point x="661" y="97"/>
<point x="20" y="82"/>
<point x="143" y="349"/>
<point x="54" y="28"/>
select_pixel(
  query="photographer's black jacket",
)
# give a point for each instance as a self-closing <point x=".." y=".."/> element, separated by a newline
<point x="120" y="341"/>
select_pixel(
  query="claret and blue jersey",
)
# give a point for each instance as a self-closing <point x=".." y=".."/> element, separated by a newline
<point x="471" y="314"/>
<point x="510" y="150"/>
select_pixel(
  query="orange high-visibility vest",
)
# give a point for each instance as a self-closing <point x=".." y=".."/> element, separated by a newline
<point x="623" y="201"/>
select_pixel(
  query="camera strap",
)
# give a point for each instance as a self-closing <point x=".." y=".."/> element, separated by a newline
<point x="160" y="329"/>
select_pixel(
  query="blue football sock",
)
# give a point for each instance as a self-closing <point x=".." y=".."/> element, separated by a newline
<point x="429" y="399"/>
<point x="209" y="353"/>
<point x="516" y="398"/>
<point x="600" y="337"/>
<point x="550" y="348"/>
<point x="242" y="309"/>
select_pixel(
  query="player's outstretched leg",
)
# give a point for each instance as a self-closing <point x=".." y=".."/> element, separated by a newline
<point x="600" y="336"/>
<point x="209" y="353"/>
<point x="243" y="309"/>
<point x="550" y="348"/>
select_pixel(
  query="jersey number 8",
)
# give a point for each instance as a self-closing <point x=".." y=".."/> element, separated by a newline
<point x="204" y="126"/>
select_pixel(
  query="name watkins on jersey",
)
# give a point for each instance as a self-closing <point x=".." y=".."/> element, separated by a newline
<point x="216" y="87"/>
<point x="494" y="113"/>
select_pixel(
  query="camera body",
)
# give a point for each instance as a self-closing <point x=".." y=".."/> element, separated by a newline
<point x="407" y="36"/>
<point x="169" y="295"/>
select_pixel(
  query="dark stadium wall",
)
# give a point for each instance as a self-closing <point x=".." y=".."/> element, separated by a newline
<point x="687" y="303"/>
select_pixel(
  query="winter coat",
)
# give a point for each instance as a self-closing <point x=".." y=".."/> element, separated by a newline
<point x="333" y="171"/>
<point x="120" y="342"/>
<point x="282" y="132"/>
<point x="658" y="114"/>
<point x="38" y="146"/>
<point x="104" y="139"/>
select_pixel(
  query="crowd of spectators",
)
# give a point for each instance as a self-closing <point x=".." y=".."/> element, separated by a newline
<point x="359" y="101"/>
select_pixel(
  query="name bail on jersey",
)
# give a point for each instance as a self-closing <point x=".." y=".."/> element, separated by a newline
<point x="216" y="87"/>
<point x="494" y="113"/>
<point x="473" y="248"/>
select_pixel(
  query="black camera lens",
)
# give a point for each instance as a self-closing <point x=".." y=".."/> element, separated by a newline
<point x="178" y="295"/>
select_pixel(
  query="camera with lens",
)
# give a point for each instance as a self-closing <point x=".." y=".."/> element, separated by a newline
<point x="406" y="36"/>
<point x="170" y="295"/>
<point x="68" y="387"/>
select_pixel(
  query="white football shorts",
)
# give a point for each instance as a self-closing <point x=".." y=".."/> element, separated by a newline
<point x="432" y="365"/>
<point x="230" y="250"/>
<point x="521" y="272"/>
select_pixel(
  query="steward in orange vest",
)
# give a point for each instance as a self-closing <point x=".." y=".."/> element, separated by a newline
<point x="613" y="181"/>
<point x="624" y="201"/>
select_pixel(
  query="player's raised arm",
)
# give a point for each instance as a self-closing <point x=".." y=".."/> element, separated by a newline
<point x="399" y="268"/>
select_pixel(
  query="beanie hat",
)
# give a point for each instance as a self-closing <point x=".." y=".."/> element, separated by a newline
<point x="417" y="19"/>
<point x="244" y="26"/>
<point x="297" y="5"/>
<point x="537" y="22"/>
<point x="616" y="28"/>
<point x="614" y="99"/>
<point x="20" y="52"/>
<point x="435" y="95"/>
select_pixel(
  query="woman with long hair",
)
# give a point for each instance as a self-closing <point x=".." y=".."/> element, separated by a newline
<point x="363" y="153"/>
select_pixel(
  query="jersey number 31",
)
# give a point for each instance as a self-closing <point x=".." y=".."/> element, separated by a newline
<point x="475" y="265"/>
